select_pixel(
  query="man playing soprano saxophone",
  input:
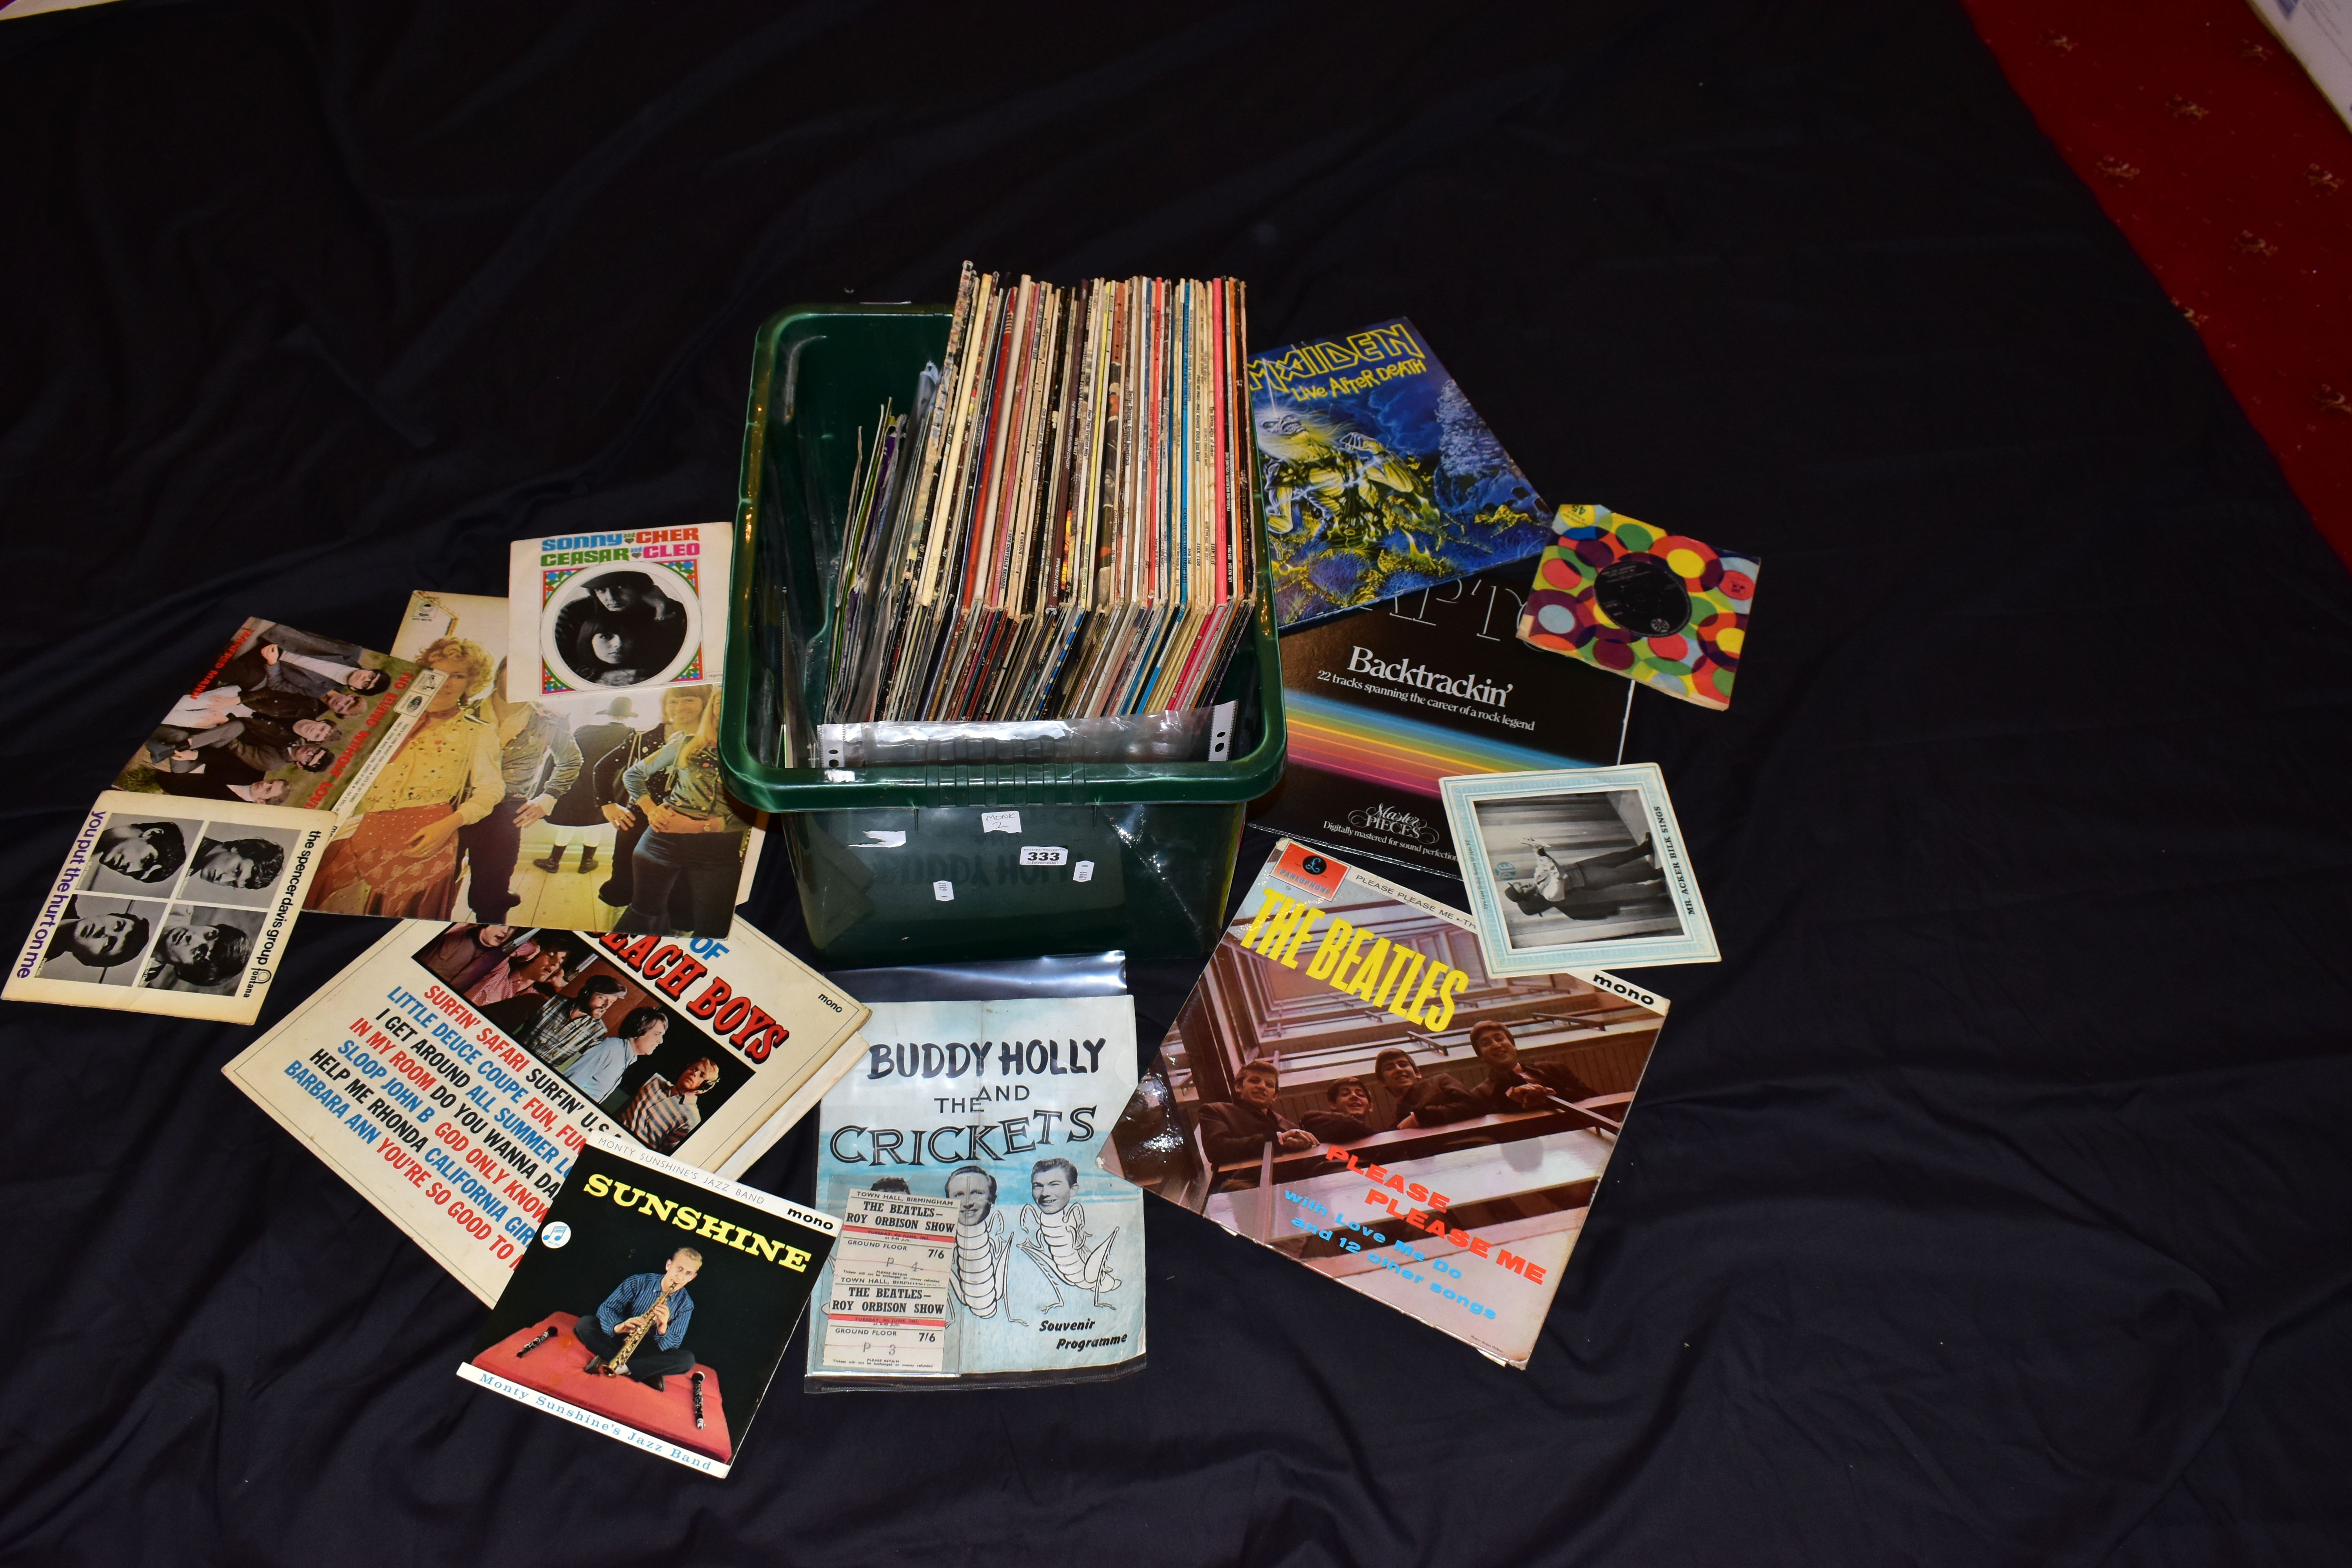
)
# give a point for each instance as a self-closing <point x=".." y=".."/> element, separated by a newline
<point x="650" y="1309"/>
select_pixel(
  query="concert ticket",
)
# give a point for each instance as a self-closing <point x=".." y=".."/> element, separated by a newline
<point x="896" y="1233"/>
<point x="885" y="1319"/>
<point x="855" y="1344"/>
<point x="886" y="1301"/>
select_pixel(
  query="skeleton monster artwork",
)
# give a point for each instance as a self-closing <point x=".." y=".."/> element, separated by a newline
<point x="1344" y="502"/>
<point x="1377" y="475"/>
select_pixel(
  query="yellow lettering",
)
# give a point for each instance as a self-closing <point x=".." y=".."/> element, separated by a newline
<point x="1401" y="969"/>
<point x="1335" y="940"/>
<point x="1296" y="363"/>
<point x="1368" y="974"/>
<point x="598" y="1185"/>
<point x="658" y="1207"/>
<point x="1275" y="904"/>
<point x="1290" y="948"/>
<point x="1440" y="1012"/>
<point x="796" y="1260"/>
<point x="1347" y="959"/>
<point x="1278" y="930"/>
<point x="687" y="1218"/>
<point x="1428" y="988"/>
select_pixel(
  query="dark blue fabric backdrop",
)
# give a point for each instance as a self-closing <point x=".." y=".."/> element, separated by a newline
<point x="1987" y="1204"/>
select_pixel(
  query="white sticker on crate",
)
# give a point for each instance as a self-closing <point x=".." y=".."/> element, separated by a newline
<point x="1083" y="871"/>
<point x="1000" y="822"/>
<point x="943" y="892"/>
<point x="1044" y="855"/>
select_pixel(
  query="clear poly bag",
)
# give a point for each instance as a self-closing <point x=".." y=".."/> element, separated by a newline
<point x="1187" y="735"/>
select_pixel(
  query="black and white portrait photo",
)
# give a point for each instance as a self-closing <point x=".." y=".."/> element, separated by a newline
<point x="156" y="913"/>
<point x="621" y="626"/>
<point x="142" y="854"/>
<point x="1576" y="868"/>
<point x="155" y="857"/>
<point x="100" y="939"/>
<point x="201" y="947"/>
<point x="234" y="864"/>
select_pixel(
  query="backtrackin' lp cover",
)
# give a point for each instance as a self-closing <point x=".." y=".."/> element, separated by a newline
<point x="1383" y="702"/>
<point x="655" y="1304"/>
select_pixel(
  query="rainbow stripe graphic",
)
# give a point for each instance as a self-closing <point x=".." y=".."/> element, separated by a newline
<point x="1399" y="753"/>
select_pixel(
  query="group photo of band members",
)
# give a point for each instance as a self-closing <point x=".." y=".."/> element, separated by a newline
<point x="169" y="903"/>
<point x="560" y="997"/>
<point x="269" y="724"/>
<point x="595" y="811"/>
<point x="1268" y="1067"/>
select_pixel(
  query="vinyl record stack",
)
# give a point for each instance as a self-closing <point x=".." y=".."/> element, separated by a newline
<point x="1061" y="529"/>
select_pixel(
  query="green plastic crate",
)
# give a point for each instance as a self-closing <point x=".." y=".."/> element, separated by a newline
<point x="1159" y="837"/>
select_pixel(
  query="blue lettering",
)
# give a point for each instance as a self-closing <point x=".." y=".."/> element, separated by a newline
<point x="318" y="1088"/>
<point x="528" y="1135"/>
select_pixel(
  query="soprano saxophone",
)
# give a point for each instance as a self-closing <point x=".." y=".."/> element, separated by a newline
<point x="619" y="1365"/>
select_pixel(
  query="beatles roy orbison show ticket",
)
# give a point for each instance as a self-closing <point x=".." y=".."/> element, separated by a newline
<point x="451" y="1074"/>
